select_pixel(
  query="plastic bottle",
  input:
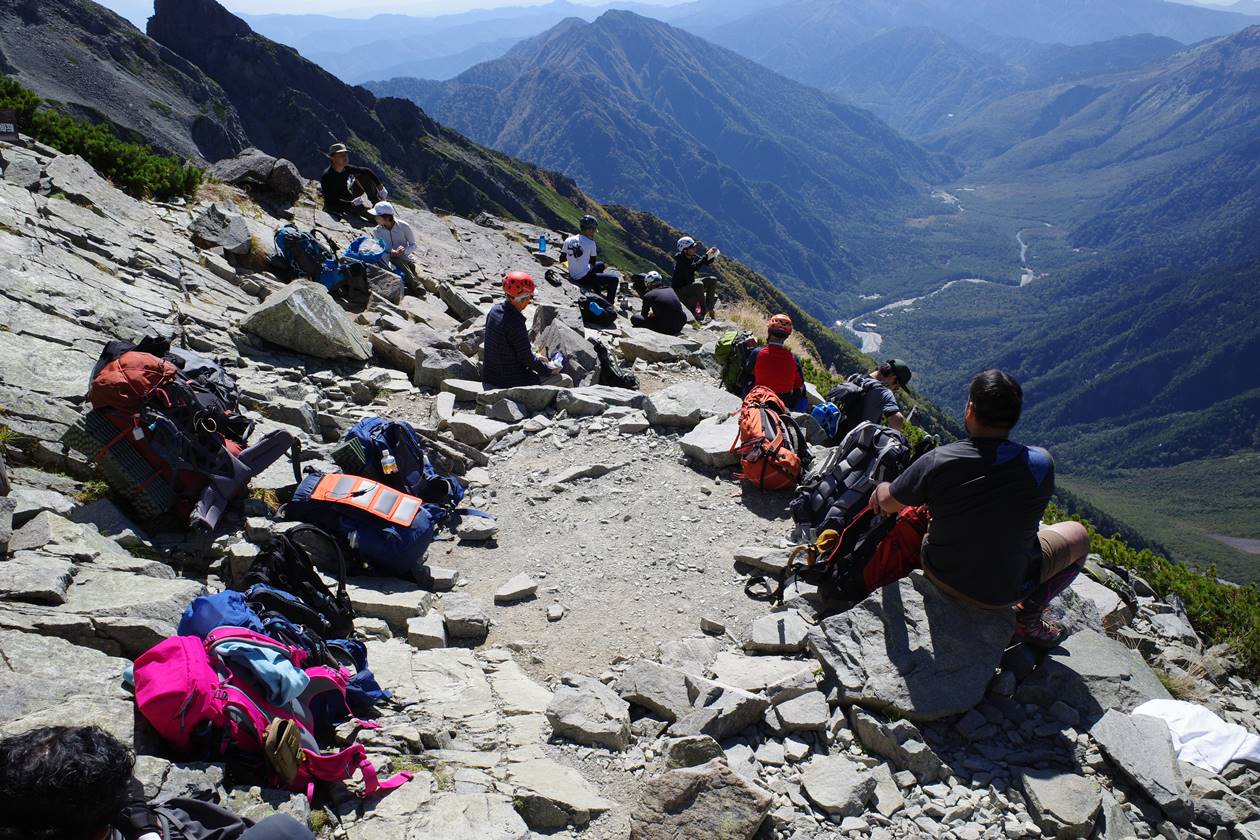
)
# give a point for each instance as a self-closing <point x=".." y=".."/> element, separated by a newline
<point x="557" y="359"/>
<point x="389" y="464"/>
<point x="542" y="243"/>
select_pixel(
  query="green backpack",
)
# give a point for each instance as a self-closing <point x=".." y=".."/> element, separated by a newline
<point x="730" y="354"/>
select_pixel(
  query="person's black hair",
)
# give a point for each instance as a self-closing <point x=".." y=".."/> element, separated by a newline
<point x="62" y="783"/>
<point x="996" y="398"/>
<point x="886" y="369"/>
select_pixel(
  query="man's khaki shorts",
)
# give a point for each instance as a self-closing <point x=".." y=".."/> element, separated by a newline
<point x="1056" y="553"/>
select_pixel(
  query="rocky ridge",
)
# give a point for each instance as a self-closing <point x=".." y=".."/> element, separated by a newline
<point x="558" y="683"/>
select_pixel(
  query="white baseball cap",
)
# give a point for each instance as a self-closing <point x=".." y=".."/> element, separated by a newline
<point x="383" y="208"/>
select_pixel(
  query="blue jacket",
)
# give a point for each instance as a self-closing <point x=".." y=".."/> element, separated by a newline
<point x="509" y="358"/>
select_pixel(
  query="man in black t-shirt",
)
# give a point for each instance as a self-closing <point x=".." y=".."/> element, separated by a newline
<point x="342" y="183"/>
<point x="987" y="495"/>
<point x="662" y="311"/>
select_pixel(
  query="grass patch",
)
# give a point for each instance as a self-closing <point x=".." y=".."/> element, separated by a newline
<point x="1221" y="612"/>
<point x="320" y="822"/>
<point x="132" y="167"/>
<point x="265" y="495"/>
<point x="92" y="491"/>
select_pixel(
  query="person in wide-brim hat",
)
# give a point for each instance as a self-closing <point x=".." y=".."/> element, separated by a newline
<point x="346" y="188"/>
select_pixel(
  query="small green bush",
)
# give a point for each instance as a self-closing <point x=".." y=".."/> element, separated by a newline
<point x="134" y="168"/>
<point x="1221" y="612"/>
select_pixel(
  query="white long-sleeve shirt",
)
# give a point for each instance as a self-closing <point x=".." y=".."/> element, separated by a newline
<point x="401" y="234"/>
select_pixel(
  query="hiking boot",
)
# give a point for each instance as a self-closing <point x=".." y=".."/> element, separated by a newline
<point x="1038" y="629"/>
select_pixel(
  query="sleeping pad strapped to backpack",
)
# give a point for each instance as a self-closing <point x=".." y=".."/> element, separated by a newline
<point x="770" y="445"/>
<point x="167" y="433"/>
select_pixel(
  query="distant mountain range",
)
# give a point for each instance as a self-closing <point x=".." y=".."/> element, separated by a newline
<point x="783" y="176"/>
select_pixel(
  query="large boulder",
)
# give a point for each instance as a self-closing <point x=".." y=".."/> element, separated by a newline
<point x="912" y="650"/>
<point x="1141" y="749"/>
<point x="588" y="712"/>
<point x="434" y="365"/>
<point x="652" y="346"/>
<point x="303" y="317"/>
<point x="685" y="404"/>
<point x="251" y="168"/>
<point x="1092" y="673"/>
<point x="709" y="443"/>
<point x="285" y="180"/>
<point x="709" y="801"/>
<point x="551" y="796"/>
<point x="838" y="786"/>
<point x="221" y="225"/>
<point x="400" y="342"/>
<point x="580" y="360"/>
<point x="652" y="686"/>
<point x="719" y="711"/>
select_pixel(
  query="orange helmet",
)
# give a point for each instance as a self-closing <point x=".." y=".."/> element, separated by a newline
<point x="780" y="324"/>
<point x="518" y="283"/>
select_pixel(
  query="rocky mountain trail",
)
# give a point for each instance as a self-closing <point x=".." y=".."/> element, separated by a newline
<point x="586" y="664"/>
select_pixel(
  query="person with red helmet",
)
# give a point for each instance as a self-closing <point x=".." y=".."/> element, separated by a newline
<point x="510" y="360"/>
<point x="774" y="366"/>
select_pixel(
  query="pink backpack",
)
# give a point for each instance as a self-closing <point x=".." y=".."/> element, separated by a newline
<point x="186" y="691"/>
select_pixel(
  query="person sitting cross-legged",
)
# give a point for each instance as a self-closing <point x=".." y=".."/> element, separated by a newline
<point x="699" y="295"/>
<point x="510" y="360"/>
<point x="986" y="496"/>
<point x="589" y="273"/>
<point x="662" y="312"/>
<point x="349" y="190"/>
<point x="399" y="240"/>
<point x="73" y="783"/>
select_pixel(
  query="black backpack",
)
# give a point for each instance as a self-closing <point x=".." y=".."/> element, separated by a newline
<point x="612" y="374"/>
<point x="848" y="396"/>
<point x="596" y="311"/>
<point x="837" y="489"/>
<point x="289" y="568"/>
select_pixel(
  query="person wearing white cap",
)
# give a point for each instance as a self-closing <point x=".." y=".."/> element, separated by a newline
<point x="396" y="237"/>
<point x="699" y="296"/>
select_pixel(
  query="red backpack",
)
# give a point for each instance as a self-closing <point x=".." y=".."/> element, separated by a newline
<point x="770" y="444"/>
<point x="125" y="383"/>
<point x="199" y="704"/>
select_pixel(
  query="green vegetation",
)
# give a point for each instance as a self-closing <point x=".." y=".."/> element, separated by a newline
<point x="134" y="168"/>
<point x="91" y="492"/>
<point x="1166" y="507"/>
<point x="1220" y="612"/>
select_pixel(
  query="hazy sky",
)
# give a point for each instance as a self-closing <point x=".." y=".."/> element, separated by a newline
<point x="138" y="11"/>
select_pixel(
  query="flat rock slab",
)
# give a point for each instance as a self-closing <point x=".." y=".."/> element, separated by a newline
<point x="465" y="618"/>
<point x="1141" y="748"/>
<point x="910" y="649"/>
<point x="35" y="578"/>
<point x="784" y="632"/>
<point x="708" y="801"/>
<point x="454" y="816"/>
<point x="660" y="690"/>
<point x="838" y="786"/>
<point x="758" y="673"/>
<point x="426" y="632"/>
<point x="553" y="796"/>
<point x="685" y="404"/>
<point x="393" y="601"/>
<point x="519" y="588"/>
<point x="709" y="443"/>
<point x="534" y="398"/>
<point x="656" y="347"/>
<point x="1065" y="805"/>
<point x="720" y="711"/>
<point x="476" y="430"/>
<point x="1092" y="673"/>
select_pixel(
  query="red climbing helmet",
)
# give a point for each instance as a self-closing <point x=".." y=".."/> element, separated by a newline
<point x="518" y="283"/>
<point x="780" y="324"/>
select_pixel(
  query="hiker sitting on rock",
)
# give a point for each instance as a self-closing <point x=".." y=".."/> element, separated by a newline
<point x="510" y="360"/>
<point x="986" y="496"/>
<point x="396" y="237"/>
<point x="699" y="296"/>
<point x="584" y="270"/>
<point x="344" y="185"/>
<point x="775" y="367"/>
<point x="72" y="783"/>
<point x="662" y="312"/>
<point x="878" y="402"/>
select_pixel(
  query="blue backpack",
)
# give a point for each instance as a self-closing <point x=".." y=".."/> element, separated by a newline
<point x="210" y="612"/>
<point x="389" y="530"/>
<point x="415" y="475"/>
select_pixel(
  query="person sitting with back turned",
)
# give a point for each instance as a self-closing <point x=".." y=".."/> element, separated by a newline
<point x="72" y="783"/>
<point x="343" y="185"/>
<point x="986" y="496"/>
<point x="699" y="296"/>
<point x="397" y="238"/>
<point x="580" y="251"/>
<point x="878" y="402"/>
<point x="510" y="361"/>
<point x="775" y="367"/>
<point x="662" y="312"/>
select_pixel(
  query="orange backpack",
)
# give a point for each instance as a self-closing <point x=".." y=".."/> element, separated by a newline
<point x="770" y="444"/>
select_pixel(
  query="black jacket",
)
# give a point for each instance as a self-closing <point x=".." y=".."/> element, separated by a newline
<point x="509" y="357"/>
<point x="685" y="269"/>
<point x="667" y="313"/>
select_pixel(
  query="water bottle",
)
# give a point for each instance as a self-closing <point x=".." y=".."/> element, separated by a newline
<point x="389" y="464"/>
<point x="542" y="244"/>
<point x="557" y="359"/>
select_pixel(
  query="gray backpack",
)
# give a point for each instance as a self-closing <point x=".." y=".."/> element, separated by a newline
<point x="840" y="484"/>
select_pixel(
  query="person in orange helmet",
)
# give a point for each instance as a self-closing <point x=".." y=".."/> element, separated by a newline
<point x="774" y="366"/>
<point x="510" y="360"/>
